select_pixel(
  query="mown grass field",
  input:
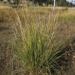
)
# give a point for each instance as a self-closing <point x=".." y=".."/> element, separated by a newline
<point x="37" y="42"/>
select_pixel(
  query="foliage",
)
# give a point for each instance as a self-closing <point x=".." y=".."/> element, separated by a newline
<point x="37" y="46"/>
<point x="58" y="2"/>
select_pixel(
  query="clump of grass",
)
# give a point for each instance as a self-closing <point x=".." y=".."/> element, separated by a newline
<point x="6" y="15"/>
<point x="68" y="15"/>
<point x="37" y="46"/>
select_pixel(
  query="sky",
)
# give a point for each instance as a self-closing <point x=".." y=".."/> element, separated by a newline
<point x="71" y="1"/>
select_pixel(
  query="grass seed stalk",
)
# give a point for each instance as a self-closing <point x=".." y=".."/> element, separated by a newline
<point x="36" y="44"/>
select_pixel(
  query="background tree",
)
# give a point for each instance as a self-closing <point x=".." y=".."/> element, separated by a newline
<point x="59" y="2"/>
<point x="18" y="1"/>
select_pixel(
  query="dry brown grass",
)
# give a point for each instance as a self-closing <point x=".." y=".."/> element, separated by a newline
<point x="7" y="15"/>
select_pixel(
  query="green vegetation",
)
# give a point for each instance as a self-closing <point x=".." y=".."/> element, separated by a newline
<point x="39" y="2"/>
<point x="36" y="47"/>
<point x="69" y="17"/>
<point x="36" y="44"/>
<point x="42" y="42"/>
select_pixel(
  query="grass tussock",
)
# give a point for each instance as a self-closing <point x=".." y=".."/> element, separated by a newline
<point x="41" y="41"/>
<point x="37" y="46"/>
